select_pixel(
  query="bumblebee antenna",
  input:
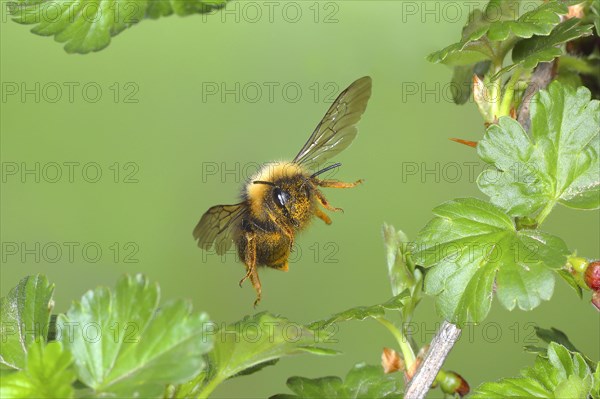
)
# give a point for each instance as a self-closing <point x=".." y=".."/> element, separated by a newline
<point x="327" y="169"/>
<point x="264" y="182"/>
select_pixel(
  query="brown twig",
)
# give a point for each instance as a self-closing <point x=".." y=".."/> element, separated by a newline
<point x="440" y="347"/>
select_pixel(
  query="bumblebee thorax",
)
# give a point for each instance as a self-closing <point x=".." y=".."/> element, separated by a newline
<point x="271" y="172"/>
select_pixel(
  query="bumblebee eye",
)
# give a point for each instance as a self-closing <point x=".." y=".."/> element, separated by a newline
<point x="281" y="197"/>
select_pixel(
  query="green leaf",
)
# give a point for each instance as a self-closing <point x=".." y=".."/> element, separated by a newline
<point x="363" y="381"/>
<point x="461" y="84"/>
<point x="88" y="25"/>
<point x="124" y="345"/>
<point x="596" y="385"/>
<point x="498" y="24"/>
<point x="555" y="335"/>
<point x="530" y="52"/>
<point x="559" y="163"/>
<point x="570" y="279"/>
<point x="361" y="312"/>
<point x="47" y="374"/>
<point x="471" y="244"/>
<point x="403" y="273"/>
<point x="249" y="345"/>
<point x="24" y="317"/>
<point x="559" y="337"/>
<point x="595" y="11"/>
<point x="558" y="373"/>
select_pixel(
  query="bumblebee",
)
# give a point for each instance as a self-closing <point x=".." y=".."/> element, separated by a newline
<point x="281" y="198"/>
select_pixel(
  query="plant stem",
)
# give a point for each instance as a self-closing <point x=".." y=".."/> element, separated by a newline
<point x="509" y="93"/>
<point x="208" y="388"/>
<point x="440" y="347"/>
<point x="545" y="212"/>
<point x="405" y="348"/>
<point x="496" y="89"/>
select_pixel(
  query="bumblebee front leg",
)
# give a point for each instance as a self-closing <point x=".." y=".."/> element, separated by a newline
<point x="323" y="216"/>
<point x="323" y="201"/>
<point x="336" y="184"/>
<point x="250" y="262"/>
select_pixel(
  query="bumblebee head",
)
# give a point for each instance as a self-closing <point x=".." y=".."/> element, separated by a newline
<point x="285" y="200"/>
<point x="285" y="193"/>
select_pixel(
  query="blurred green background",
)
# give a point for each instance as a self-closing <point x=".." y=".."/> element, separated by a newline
<point x="162" y="126"/>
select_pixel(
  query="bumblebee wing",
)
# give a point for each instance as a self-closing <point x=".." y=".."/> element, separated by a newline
<point x="217" y="226"/>
<point x="338" y="128"/>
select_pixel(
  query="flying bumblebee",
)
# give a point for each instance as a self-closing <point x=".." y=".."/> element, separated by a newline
<point x="281" y="198"/>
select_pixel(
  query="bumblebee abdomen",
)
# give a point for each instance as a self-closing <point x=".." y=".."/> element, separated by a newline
<point x="272" y="247"/>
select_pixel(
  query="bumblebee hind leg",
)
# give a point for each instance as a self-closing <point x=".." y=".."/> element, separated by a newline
<point x="250" y="262"/>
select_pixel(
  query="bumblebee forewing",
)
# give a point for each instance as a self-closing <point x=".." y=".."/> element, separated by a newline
<point x="217" y="226"/>
<point x="338" y="128"/>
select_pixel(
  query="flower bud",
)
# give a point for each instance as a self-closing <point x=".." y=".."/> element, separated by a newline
<point x="391" y="361"/>
<point x="592" y="275"/>
<point x="578" y="264"/>
<point x="454" y="383"/>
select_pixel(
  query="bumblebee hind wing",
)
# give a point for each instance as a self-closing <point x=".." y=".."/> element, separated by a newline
<point x="217" y="226"/>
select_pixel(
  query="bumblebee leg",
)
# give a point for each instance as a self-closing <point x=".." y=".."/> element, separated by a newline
<point x="250" y="262"/>
<point x="249" y="256"/>
<point x="321" y="215"/>
<point x="336" y="184"/>
<point x="257" y="286"/>
<point x="289" y="233"/>
<point x="323" y="201"/>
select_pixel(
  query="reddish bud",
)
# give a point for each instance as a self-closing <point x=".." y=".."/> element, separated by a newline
<point x="592" y="275"/>
<point x="454" y="383"/>
<point x="391" y="361"/>
<point x="575" y="11"/>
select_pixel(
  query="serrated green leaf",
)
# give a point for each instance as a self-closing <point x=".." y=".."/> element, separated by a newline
<point x="469" y="245"/>
<point x="24" y="317"/>
<point x="555" y="335"/>
<point x="124" y="345"/>
<point x="361" y="312"/>
<point x="497" y="24"/>
<point x="47" y="374"/>
<point x="595" y="391"/>
<point x="559" y="337"/>
<point x="558" y="373"/>
<point x="363" y="381"/>
<point x="558" y="164"/>
<point x="595" y="11"/>
<point x="403" y="274"/>
<point x="530" y="52"/>
<point x="88" y="25"/>
<point x="399" y="271"/>
<point x="248" y="346"/>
